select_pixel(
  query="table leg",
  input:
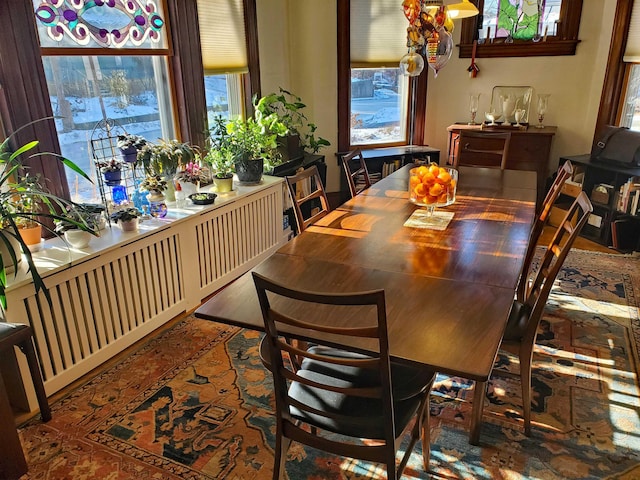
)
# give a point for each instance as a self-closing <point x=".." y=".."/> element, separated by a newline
<point x="12" y="461"/>
<point x="476" y="414"/>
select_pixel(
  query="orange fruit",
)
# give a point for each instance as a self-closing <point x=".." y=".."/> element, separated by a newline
<point x="444" y="176"/>
<point x="430" y="199"/>
<point x="420" y="190"/>
<point x="434" y="169"/>
<point x="435" y="190"/>
<point x="443" y="198"/>
<point x="421" y="171"/>
<point x="413" y="181"/>
<point x="428" y="178"/>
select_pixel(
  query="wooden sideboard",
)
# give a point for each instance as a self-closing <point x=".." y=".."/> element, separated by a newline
<point x="529" y="149"/>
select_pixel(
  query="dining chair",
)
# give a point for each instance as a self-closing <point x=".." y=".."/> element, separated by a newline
<point x="341" y="400"/>
<point x="306" y="189"/>
<point x="357" y="177"/>
<point x="477" y="148"/>
<point x="542" y="216"/>
<point x="21" y="336"/>
<point x="520" y="333"/>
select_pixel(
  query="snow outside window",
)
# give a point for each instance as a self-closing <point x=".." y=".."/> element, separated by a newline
<point x="132" y="90"/>
<point x="379" y="98"/>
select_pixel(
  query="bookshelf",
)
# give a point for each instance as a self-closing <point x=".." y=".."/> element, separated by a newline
<point x="614" y="191"/>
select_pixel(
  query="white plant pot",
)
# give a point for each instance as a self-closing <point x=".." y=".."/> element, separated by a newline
<point x="129" y="225"/>
<point x="77" y="238"/>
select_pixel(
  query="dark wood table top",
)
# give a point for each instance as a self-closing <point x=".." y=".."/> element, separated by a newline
<point x="448" y="292"/>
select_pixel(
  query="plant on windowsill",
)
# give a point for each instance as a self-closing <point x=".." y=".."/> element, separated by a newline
<point x="111" y="170"/>
<point x="127" y="217"/>
<point x="12" y="213"/>
<point x="301" y="133"/>
<point x="219" y="156"/>
<point x="75" y="223"/>
<point x="130" y="145"/>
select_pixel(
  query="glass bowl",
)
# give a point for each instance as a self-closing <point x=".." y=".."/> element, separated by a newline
<point x="433" y="186"/>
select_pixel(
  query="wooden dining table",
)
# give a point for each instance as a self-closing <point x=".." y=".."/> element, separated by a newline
<point x="448" y="293"/>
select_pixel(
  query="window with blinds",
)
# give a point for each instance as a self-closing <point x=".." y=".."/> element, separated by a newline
<point x="224" y="56"/>
<point x="379" y="93"/>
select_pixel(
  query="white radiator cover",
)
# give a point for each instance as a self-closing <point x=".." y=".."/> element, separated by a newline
<point x="106" y="303"/>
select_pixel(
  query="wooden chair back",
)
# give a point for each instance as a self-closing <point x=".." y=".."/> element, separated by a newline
<point x="520" y="335"/>
<point x="327" y="393"/>
<point x="542" y="217"/>
<point x="483" y="149"/>
<point x="307" y="195"/>
<point x="355" y="168"/>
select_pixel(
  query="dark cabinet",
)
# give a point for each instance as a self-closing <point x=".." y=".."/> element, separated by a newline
<point x="615" y="221"/>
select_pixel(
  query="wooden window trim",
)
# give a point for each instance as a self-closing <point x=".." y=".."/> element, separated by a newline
<point x="616" y="73"/>
<point x="564" y="43"/>
<point x="344" y="89"/>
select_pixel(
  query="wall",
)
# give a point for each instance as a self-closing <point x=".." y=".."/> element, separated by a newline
<point x="298" y="51"/>
<point x="305" y="64"/>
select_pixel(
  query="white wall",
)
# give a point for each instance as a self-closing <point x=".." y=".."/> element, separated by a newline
<point x="298" y="52"/>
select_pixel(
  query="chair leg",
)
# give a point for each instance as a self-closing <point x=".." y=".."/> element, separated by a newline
<point x="282" y="446"/>
<point x="27" y="348"/>
<point x="426" y="436"/>
<point x="525" y="380"/>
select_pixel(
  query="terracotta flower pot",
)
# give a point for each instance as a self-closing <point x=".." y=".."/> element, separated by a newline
<point x="32" y="236"/>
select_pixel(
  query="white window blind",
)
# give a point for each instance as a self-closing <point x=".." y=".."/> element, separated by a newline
<point x="632" y="51"/>
<point x="222" y="35"/>
<point x="378" y="33"/>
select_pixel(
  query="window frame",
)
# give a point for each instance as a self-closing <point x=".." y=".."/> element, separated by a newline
<point x="616" y="74"/>
<point x="344" y="90"/>
<point x="564" y="43"/>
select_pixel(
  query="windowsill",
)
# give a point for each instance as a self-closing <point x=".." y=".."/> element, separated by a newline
<point x="55" y="255"/>
<point x="520" y="49"/>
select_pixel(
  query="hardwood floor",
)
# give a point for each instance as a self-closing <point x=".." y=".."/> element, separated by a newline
<point x="580" y="243"/>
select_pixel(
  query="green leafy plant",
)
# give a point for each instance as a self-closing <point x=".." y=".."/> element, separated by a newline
<point x="128" y="141"/>
<point x="22" y="200"/>
<point x="112" y="165"/>
<point x="78" y="217"/>
<point x="166" y="156"/>
<point x="125" y="215"/>
<point x="219" y="156"/>
<point x="153" y="183"/>
<point x="288" y="108"/>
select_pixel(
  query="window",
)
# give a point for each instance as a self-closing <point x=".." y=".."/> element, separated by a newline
<point x="510" y="28"/>
<point x="105" y="61"/>
<point x="377" y="111"/>
<point x="225" y="61"/>
<point x="378" y="106"/>
<point x="630" y="108"/>
<point x="621" y="86"/>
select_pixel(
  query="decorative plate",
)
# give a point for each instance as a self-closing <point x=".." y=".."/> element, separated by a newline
<point x="203" y="198"/>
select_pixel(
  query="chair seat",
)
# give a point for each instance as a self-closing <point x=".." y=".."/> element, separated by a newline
<point x="354" y="411"/>
<point x="12" y="333"/>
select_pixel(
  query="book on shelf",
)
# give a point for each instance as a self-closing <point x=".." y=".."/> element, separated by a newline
<point x="633" y="209"/>
<point x="626" y="192"/>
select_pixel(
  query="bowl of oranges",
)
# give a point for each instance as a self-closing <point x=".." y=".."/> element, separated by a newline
<point x="432" y="185"/>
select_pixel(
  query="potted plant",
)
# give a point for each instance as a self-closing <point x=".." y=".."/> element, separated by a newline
<point x="164" y="158"/>
<point x="12" y="212"/>
<point x="75" y="224"/>
<point x="219" y="156"/>
<point x="111" y="170"/>
<point x="129" y="146"/>
<point x="155" y="185"/>
<point x="300" y="134"/>
<point x="191" y="176"/>
<point x="252" y="146"/>
<point x="128" y="218"/>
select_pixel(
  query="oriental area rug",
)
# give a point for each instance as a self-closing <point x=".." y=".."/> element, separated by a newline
<point x="194" y="402"/>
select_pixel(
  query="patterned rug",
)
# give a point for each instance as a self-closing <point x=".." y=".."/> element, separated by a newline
<point x="195" y="403"/>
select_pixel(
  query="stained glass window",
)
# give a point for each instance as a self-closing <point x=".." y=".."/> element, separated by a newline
<point x="100" y="23"/>
<point x="520" y="19"/>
